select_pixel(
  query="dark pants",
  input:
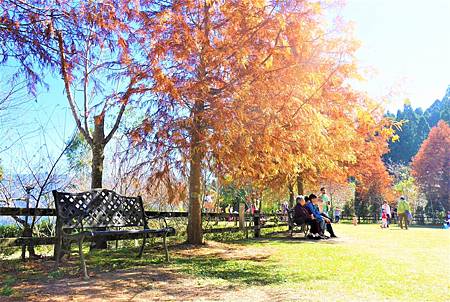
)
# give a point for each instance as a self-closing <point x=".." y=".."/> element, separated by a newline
<point x="312" y="223"/>
<point x="330" y="229"/>
<point x="326" y="227"/>
<point x="336" y="218"/>
<point x="402" y="220"/>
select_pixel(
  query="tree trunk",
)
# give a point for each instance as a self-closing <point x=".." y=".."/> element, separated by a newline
<point x="300" y="189"/>
<point x="291" y="196"/>
<point x="27" y="232"/>
<point x="194" y="230"/>
<point x="98" y="156"/>
<point x="97" y="166"/>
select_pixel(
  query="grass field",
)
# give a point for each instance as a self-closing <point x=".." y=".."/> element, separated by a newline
<point x="365" y="263"/>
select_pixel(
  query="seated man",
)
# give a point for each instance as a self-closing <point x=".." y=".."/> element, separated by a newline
<point x="302" y="215"/>
<point x="325" y="223"/>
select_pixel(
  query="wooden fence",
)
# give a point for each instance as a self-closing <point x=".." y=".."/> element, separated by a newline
<point x="248" y="223"/>
<point x="417" y="219"/>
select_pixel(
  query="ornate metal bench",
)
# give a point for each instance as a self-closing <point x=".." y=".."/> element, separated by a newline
<point x="304" y="228"/>
<point x="90" y="214"/>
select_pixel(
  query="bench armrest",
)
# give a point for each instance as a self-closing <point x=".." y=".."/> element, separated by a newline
<point x="163" y="218"/>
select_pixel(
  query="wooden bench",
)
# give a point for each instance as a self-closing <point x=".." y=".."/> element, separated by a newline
<point x="304" y="228"/>
<point x="91" y="214"/>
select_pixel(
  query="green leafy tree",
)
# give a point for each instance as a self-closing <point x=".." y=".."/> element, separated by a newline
<point x="418" y="124"/>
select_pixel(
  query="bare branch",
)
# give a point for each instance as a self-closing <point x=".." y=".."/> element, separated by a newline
<point x="68" y="91"/>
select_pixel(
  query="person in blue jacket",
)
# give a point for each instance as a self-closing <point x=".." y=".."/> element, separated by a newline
<point x="310" y="206"/>
<point x="324" y="222"/>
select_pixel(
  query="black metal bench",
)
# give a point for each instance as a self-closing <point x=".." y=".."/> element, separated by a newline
<point x="90" y="214"/>
<point x="304" y="228"/>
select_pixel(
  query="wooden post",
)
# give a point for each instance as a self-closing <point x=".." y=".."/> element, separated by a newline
<point x="241" y="216"/>
<point x="256" y="223"/>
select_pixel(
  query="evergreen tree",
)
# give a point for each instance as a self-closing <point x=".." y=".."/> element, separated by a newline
<point x="416" y="128"/>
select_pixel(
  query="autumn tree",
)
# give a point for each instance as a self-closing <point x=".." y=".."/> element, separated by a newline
<point x="297" y="122"/>
<point x="373" y="182"/>
<point x="24" y="32"/>
<point x="85" y="44"/>
<point x="207" y="59"/>
<point x="260" y="87"/>
<point x="431" y="166"/>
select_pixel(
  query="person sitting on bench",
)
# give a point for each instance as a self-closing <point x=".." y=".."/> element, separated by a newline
<point x="313" y="208"/>
<point x="302" y="215"/>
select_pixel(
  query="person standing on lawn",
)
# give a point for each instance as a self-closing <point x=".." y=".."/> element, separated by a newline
<point x="337" y="215"/>
<point x="383" y="219"/>
<point x="402" y="212"/>
<point x="326" y="200"/>
<point x="387" y="209"/>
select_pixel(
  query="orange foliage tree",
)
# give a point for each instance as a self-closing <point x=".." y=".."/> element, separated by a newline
<point x="373" y="182"/>
<point x="431" y="166"/>
<point x="258" y="86"/>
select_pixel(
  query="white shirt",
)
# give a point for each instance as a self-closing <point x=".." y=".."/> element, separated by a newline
<point x="387" y="209"/>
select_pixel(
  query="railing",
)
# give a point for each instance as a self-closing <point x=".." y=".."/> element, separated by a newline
<point x="417" y="219"/>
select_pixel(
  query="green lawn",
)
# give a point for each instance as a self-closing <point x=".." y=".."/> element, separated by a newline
<point x="365" y="263"/>
<point x="371" y="263"/>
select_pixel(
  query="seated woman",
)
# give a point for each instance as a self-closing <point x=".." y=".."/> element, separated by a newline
<point x="302" y="215"/>
<point x="325" y="223"/>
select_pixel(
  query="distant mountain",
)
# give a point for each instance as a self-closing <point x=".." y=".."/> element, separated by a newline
<point x="415" y="130"/>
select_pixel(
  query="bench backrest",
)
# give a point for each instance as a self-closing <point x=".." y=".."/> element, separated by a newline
<point x="98" y="208"/>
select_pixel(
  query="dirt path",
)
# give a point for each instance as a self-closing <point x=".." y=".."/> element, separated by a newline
<point x="159" y="283"/>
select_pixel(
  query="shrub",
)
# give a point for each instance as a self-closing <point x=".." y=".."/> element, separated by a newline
<point x="10" y="230"/>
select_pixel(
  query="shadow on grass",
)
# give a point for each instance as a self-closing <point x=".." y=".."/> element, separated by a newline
<point x="98" y="261"/>
<point x="242" y="269"/>
<point x="235" y="271"/>
<point x="230" y="264"/>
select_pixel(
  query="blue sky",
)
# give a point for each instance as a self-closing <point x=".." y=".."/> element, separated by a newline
<point x="406" y="45"/>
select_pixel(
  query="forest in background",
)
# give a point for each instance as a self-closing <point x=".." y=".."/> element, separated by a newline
<point x="418" y="124"/>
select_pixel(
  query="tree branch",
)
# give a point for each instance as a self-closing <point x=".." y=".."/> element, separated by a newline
<point x="68" y="91"/>
<point x="124" y="100"/>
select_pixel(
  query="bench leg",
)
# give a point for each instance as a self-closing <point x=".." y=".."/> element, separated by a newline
<point x="82" y="261"/>
<point x="69" y="250"/>
<point x="141" y="250"/>
<point x="58" y="252"/>
<point x="165" y="247"/>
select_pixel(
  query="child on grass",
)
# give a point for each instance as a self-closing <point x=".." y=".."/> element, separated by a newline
<point x="383" y="219"/>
